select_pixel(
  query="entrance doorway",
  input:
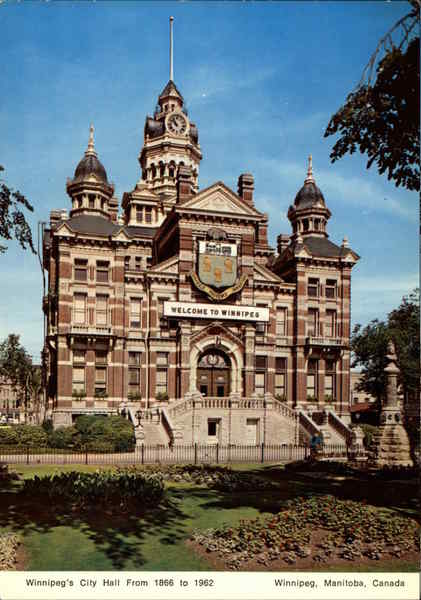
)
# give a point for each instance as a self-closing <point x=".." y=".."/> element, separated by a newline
<point x="213" y="374"/>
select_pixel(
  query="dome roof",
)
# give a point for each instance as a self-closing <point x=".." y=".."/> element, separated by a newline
<point x="90" y="165"/>
<point x="309" y="195"/>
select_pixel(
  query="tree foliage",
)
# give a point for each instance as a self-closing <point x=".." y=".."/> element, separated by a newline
<point x="382" y="119"/>
<point x="16" y="364"/>
<point x="13" y="224"/>
<point x="369" y="347"/>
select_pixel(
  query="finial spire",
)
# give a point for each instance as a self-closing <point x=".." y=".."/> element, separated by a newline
<point x="171" y="50"/>
<point x="91" y="145"/>
<point x="309" y="178"/>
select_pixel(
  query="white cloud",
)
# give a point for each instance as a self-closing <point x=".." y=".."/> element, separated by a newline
<point x="346" y="189"/>
<point x="205" y="82"/>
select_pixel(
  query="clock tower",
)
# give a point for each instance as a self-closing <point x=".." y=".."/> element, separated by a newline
<point x="171" y="143"/>
<point x="171" y="140"/>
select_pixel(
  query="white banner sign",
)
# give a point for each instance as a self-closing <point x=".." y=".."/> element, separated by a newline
<point x="232" y="312"/>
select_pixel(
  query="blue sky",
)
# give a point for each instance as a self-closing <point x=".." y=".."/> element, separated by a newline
<point x="260" y="79"/>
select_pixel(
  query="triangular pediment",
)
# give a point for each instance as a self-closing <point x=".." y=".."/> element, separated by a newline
<point x="121" y="236"/>
<point x="64" y="230"/>
<point x="301" y="251"/>
<point x="219" y="198"/>
<point x="167" y="266"/>
<point x="350" y="256"/>
<point x="261" y="273"/>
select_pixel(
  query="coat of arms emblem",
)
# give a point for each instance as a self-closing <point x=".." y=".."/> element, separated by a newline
<point x="217" y="266"/>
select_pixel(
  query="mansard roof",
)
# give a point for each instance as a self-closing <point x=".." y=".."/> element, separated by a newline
<point x="97" y="225"/>
<point x="322" y="247"/>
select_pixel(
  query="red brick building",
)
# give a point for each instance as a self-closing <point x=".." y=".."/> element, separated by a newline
<point x="179" y="302"/>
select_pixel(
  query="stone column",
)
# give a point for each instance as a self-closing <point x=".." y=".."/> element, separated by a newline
<point x="391" y="443"/>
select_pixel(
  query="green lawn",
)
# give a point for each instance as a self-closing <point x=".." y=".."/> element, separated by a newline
<point x="154" y="542"/>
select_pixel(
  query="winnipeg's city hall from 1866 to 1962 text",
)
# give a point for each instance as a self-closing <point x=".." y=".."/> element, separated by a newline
<point x="173" y="308"/>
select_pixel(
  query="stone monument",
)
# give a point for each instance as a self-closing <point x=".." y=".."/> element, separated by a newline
<point x="391" y="443"/>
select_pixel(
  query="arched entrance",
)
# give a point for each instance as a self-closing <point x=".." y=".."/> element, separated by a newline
<point x="214" y="374"/>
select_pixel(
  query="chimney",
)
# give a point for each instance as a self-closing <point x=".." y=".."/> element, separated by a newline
<point x="246" y="187"/>
<point x="184" y="183"/>
<point x="283" y="241"/>
<point x="113" y="209"/>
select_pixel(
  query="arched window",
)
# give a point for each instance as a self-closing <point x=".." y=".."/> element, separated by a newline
<point x="161" y="170"/>
<point x="153" y="171"/>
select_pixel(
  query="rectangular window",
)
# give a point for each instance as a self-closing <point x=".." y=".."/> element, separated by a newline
<point x="91" y="201"/>
<point x="260" y="375"/>
<point x="148" y="214"/>
<point x="127" y="262"/>
<point x="280" y="378"/>
<point x="139" y="214"/>
<point x="313" y="287"/>
<point x="161" y="373"/>
<point x="78" y="384"/>
<point x="330" y="380"/>
<point x="312" y="373"/>
<point x="101" y="310"/>
<point x="313" y="322"/>
<point x="281" y="321"/>
<point x="102" y="268"/>
<point x="135" y="313"/>
<point x="214" y="426"/>
<point x="79" y="309"/>
<point x="78" y="374"/>
<point x="330" y="326"/>
<point x="162" y="321"/>
<point x="138" y="263"/>
<point x="134" y="373"/>
<point x="261" y="326"/>
<point x="330" y="289"/>
<point x="81" y="269"/>
<point x="100" y="372"/>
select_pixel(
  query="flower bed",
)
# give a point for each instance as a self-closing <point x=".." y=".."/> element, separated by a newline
<point x="323" y="529"/>
<point x="118" y="490"/>
<point x="8" y="548"/>
<point x="215" y="477"/>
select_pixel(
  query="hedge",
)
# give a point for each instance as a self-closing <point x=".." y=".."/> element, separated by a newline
<point x="28" y="436"/>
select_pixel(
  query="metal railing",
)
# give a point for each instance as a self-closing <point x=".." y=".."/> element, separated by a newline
<point x="172" y="454"/>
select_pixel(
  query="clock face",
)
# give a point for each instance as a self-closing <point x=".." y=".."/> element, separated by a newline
<point x="177" y="124"/>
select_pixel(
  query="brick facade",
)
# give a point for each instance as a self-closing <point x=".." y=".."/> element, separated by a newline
<point x="111" y="345"/>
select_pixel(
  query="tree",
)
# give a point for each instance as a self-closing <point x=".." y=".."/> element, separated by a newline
<point x="16" y="366"/>
<point x="369" y="347"/>
<point x="382" y="119"/>
<point x="13" y="224"/>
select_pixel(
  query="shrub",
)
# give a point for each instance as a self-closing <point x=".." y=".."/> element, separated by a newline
<point x="28" y="436"/>
<point x="120" y="489"/>
<point x="64" y="438"/>
<point x="115" y="431"/>
<point x="162" y="396"/>
<point x="47" y="426"/>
